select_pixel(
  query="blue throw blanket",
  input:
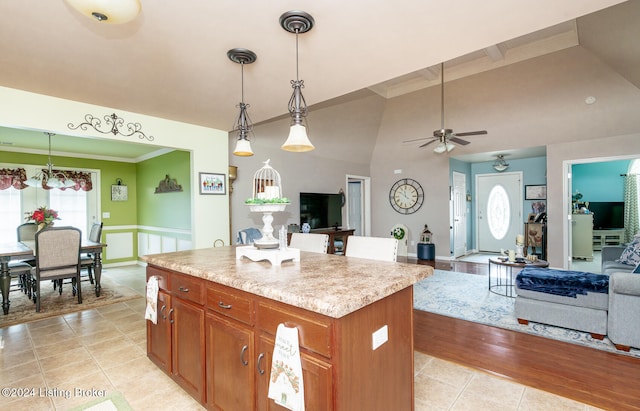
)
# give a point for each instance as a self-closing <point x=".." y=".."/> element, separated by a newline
<point x="561" y="282"/>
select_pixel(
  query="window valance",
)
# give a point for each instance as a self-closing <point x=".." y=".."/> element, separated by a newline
<point x="13" y="177"/>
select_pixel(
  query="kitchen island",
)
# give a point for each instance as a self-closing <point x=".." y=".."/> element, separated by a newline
<point x="217" y="318"/>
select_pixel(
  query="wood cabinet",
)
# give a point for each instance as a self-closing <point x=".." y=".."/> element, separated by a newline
<point x="582" y="236"/>
<point x="222" y="342"/>
<point x="176" y="342"/>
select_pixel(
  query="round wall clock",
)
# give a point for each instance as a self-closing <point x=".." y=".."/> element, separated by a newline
<point x="406" y="196"/>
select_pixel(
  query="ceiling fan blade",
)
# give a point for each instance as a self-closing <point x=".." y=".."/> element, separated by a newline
<point x="458" y="140"/>
<point x="472" y="133"/>
<point x="416" y="139"/>
<point x="427" y="143"/>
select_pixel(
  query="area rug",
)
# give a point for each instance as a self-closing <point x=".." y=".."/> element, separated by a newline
<point x="112" y="402"/>
<point x="23" y="309"/>
<point x="467" y="297"/>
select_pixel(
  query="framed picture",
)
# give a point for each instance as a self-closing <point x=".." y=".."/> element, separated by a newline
<point x="535" y="192"/>
<point x="213" y="183"/>
<point x="119" y="193"/>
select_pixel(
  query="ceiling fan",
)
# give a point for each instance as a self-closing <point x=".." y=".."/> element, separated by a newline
<point x="445" y="136"/>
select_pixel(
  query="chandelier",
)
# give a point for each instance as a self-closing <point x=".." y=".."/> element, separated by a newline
<point x="297" y="22"/>
<point x="243" y="124"/>
<point x="50" y="178"/>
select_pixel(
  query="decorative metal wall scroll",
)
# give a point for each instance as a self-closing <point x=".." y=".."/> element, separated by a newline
<point x="115" y="125"/>
<point x="168" y="185"/>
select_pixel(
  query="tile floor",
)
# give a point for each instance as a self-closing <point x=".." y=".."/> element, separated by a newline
<point x="48" y="361"/>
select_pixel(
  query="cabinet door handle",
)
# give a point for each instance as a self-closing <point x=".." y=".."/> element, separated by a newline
<point x="242" y="360"/>
<point x="184" y="290"/>
<point x="164" y="307"/>
<point x="170" y="319"/>
<point x="260" y="357"/>
<point x="223" y="305"/>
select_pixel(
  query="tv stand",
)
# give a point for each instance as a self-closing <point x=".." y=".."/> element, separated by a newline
<point x="610" y="236"/>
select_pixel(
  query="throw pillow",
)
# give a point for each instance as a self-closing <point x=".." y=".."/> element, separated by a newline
<point x="637" y="269"/>
<point x="631" y="254"/>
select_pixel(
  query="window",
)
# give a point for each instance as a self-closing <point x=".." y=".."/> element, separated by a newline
<point x="72" y="208"/>
<point x="11" y="212"/>
<point x="498" y="212"/>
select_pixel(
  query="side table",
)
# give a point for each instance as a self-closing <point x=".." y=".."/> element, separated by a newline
<point x="502" y="275"/>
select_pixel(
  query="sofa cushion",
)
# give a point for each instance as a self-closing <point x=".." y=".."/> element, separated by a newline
<point x="631" y="254"/>
<point x="637" y="269"/>
<point x="609" y="267"/>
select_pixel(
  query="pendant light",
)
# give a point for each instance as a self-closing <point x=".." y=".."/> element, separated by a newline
<point x="500" y="164"/>
<point x="243" y="124"/>
<point x="50" y="179"/>
<point x="108" y="11"/>
<point x="297" y="22"/>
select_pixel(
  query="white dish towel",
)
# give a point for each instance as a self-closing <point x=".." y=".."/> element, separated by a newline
<point x="151" y="313"/>
<point x="285" y="383"/>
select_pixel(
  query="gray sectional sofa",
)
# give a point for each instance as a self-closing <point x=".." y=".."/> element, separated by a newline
<point x="615" y="314"/>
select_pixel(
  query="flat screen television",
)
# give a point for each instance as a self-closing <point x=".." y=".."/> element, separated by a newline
<point x="607" y="214"/>
<point x="321" y="210"/>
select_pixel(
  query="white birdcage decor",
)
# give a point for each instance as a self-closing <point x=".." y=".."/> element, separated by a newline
<point x="267" y="199"/>
<point x="266" y="183"/>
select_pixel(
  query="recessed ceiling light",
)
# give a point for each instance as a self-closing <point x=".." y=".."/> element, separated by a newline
<point x="590" y="100"/>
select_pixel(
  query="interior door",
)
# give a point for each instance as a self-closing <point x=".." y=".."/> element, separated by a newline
<point x="459" y="211"/>
<point x="355" y="209"/>
<point x="499" y="210"/>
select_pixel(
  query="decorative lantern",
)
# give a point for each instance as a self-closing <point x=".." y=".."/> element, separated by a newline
<point x="425" y="237"/>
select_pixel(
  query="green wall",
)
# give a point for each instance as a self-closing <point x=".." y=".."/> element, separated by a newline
<point x="172" y="209"/>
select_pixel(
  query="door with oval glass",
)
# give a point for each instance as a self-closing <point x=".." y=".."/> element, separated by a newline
<point x="498" y="210"/>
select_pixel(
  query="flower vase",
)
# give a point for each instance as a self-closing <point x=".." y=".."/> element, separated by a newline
<point x="42" y="226"/>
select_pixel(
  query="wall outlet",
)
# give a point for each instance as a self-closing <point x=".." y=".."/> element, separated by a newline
<point x="379" y="337"/>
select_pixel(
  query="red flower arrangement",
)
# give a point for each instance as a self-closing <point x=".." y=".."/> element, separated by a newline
<point x="42" y="215"/>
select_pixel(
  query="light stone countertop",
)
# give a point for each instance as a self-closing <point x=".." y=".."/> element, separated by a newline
<point x="323" y="283"/>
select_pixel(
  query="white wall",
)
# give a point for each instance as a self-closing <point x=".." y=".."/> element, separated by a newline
<point x="208" y="146"/>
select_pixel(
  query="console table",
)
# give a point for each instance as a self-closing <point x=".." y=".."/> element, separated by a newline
<point x="333" y="233"/>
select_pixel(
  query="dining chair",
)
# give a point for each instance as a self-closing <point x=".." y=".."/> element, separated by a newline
<point x="24" y="232"/>
<point x="373" y="248"/>
<point x="86" y="260"/>
<point x="57" y="258"/>
<point x="315" y="243"/>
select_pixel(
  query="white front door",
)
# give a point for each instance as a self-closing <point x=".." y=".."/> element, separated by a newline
<point x="459" y="212"/>
<point x="499" y="210"/>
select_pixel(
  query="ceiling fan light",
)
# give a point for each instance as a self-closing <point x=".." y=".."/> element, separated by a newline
<point x="449" y="146"/>
<point x="440" y="148"/>
<point x="298" y="141"/>
<point x="108" y="11"/>
<point x="243" y="148"/>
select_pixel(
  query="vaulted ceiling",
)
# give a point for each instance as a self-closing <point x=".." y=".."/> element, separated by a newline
<point x="171" y="61"/>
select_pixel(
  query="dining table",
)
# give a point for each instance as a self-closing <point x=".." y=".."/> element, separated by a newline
<point x="23" y="250"/>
